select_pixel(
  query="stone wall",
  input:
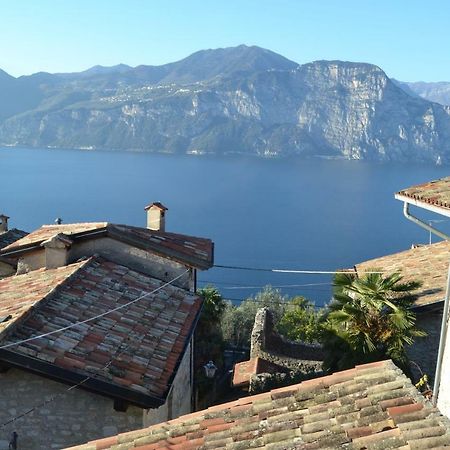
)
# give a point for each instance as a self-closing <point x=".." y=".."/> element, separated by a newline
<point x="143" y="261"/>
<point x="73" y="418"/>
<point x="266" y="343"/>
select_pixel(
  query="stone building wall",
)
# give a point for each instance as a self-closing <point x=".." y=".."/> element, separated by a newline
<point x="266" y="343"/>
<point x="72" y="418"/>
<point x="147" y="262"/>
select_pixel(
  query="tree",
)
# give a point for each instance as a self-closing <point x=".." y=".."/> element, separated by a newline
<point x="369" y="319"/>
<point x="301" y="321"/>
<point x="237" y="323"/>
<point x="213" y="306"/>
<point x="208" y="334"/>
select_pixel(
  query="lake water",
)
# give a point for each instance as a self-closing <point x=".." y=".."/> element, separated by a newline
<point x="283" y="214"/>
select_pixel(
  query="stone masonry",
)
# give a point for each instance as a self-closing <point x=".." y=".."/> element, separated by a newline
<point x="266" y="343"/>
<point x="72" y="417"/>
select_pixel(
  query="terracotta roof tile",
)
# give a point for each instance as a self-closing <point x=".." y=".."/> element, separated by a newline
<point x="194" y="251"/>
<point x="436" y="193"/>
<point x="288" y="418"/>
<point x="45" y="300"/>
<point x="427" y="263"/>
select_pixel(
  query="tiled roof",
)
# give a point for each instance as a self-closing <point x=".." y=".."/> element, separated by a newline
<point x="243" y="371"/>
<point x="144" y="340"/>
<point x="18" y="294"/>
<point x="10" y="236"/>
<point x="427" y="263"/>
<point x="47" y="231"/>
<point x="436" y="193"/>
<point x="194" y="251"/>
<point x="373" y="406"/>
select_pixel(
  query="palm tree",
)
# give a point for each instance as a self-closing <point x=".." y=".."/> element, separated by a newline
<point x="370" y="319"/>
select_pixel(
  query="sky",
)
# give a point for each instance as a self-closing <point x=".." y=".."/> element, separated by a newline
<point x="408" y="39"/>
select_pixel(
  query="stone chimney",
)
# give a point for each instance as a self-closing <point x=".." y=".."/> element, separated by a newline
<point x="56" y="250"/>
<point x="3" y="223"/>
<point x="156" y="219"/>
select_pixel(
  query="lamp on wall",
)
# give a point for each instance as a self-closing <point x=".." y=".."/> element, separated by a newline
<point x="210" y="369"/>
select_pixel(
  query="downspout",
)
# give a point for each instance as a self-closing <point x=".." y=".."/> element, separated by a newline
<point x="444" y="326"/>
<point x="422" y="224"/>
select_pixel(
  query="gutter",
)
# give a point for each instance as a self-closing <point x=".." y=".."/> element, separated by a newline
<point x="422" y="224"/>
<point x="444" y="325"/>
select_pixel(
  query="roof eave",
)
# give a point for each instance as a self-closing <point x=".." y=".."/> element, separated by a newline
<point x="424" y="205"/>
<point x="92" y="384"/>
<point x="18" y="250"/>
<point x="136" y="242"/>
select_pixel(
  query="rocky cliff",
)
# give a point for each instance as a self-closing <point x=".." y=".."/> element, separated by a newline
<point x="239" y="100"/>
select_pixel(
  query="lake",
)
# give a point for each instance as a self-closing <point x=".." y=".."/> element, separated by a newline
<point x="261" y="213"/>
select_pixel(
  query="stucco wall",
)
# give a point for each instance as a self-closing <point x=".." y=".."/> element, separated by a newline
<point x="179" y="399"/>
<point x="74" y="418"/>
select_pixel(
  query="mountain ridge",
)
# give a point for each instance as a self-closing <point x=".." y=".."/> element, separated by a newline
<point x="234" y="100"/>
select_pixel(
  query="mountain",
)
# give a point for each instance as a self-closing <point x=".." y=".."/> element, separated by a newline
<point x="234" y="100"/>
<point x="438" y="92"/>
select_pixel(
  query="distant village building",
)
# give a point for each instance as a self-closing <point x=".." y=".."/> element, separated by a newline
<point x="131" y="365"/>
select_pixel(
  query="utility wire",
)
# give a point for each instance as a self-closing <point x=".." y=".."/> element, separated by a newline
<point x="304" y="272"/>
<point x="242" y="286"/>
<point x="63" y="393"/>
<point x="23" y="341"/>
<point x="84" y="380"/>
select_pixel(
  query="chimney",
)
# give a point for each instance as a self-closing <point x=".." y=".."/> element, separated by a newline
<point x="56" y="250"/>
<point x="156" y="220"/>
<point x="3" y="223"/>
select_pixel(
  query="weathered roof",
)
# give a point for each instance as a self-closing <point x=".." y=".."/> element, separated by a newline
<point x="144" y="341"/>
<point x="10" y="236"/>
<point x="194" y="251"/>
<point x="432" y="194"/>
<point x="373" y="406"/>
<point x="18" y="294"/>
<point x="47" y="231"/>
<point x="427" y="263"/>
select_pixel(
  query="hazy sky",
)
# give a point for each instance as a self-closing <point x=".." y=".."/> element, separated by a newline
<point x="409" y="39"/>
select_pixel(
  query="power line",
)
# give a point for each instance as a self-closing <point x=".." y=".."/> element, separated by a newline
<point x="293" y="271"/>
<point x="84" y="380"/>
<point x="23" y="341"/>
<point x="244" y="286"/>
<point x="63" y="393"/>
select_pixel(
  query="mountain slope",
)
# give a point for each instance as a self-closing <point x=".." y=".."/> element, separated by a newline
<point x="238" y="100"/>
<point x="435" y="92"/>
